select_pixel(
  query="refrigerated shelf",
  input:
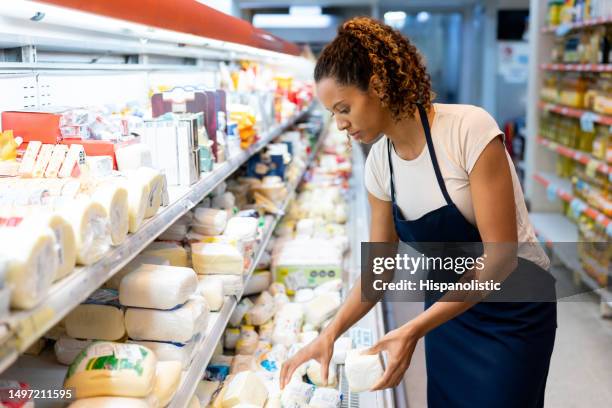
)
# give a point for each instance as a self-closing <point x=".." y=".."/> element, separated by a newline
<point x="582" y="157"/>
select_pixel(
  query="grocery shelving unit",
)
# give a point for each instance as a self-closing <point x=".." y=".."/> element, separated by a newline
<point x="547" y="193"/>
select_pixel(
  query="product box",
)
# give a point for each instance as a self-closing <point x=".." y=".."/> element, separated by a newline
<point x="43" y="126"/>
<point x="99" y="147"/>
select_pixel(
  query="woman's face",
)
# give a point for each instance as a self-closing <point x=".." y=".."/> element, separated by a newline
<point x="359" y="113"/>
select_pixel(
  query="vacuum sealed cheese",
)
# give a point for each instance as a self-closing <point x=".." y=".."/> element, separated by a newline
<point x="212" y="291"/>
<point x="174" y="253"/>
<point x="158" y="287"/>
<point x="209" y="221"/>
<point x="245" y="388"/>
<point x="362" y="370"/>
<point x="216" y="258"/>
<point x="232" y="284"/>
<point x="287" y="324"/>
<point x="114" y="198"/>
<point x="325" y="398"/>
<point x="138" y="196"/>
<point x="321" y="308"/>
<point x="167" y="380"/>
<point x="112" y="369"/>
<point x="100" y="317"/>
<point x="315" y="374"/>
<point x="89" y="221"/>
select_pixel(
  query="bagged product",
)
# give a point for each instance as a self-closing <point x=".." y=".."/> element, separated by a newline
<point x="165" y="351"/>
<point x="247" y="343"/>
<point x="240" y="311"/>
<point x="325" y="398"/>
<point x="362" y="370"/>
<point x="260" y="314"/>
<point x="315" y="374"/>
<point x="245" y="388"/>
<point x="209" y="221"/>
<point x="100" y="317"/>
<point x="212" y="291"/>
<point x="296" y="393"/>
<point x="216" y="258"/>
<point x="114" y="198"/>
<point x="304" y="295"/>
<point x="287" y="324"/>
<point x="91" y="228"/>
<point x="260" y="281"/>
<point x="112" y="369"/>
<point x="115" y="280"/>
<point x="341" y="347"/>
<point x="66" y="349"/>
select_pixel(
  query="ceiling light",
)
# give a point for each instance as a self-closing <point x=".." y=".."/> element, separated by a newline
<point x="422" y="17"/>
<point x="305" y="10"/>
<point x="396" y="19"/>
<point x="291" y="21"/>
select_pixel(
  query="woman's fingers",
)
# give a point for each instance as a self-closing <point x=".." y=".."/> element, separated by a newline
<point x="385" y="379"/>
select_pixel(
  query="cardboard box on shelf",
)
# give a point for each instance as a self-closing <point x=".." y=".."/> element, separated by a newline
<point x="42" y="126"/>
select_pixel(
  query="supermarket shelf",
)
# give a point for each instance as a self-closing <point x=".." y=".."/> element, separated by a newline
<point x="578" y="25"/>
<point x="65" y="295"/>
<point x="575" y="113"/>
<point x="574" y="154"/>
<point x="577" y="67"/>
<point x="216" y="328"/>
<point x="563" y="189"/>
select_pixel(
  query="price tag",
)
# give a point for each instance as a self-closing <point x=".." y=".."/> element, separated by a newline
<point x="577" y="207"/>
<point x="551" y="192"/>
<point x="587" y="121"/>
<point x="591" y="168"/>
<point x="563" y="29"/>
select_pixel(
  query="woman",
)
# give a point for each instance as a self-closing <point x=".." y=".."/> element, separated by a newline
<point x="451" y="181"/>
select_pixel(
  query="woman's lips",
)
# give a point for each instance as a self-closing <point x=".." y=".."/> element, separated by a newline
<point x="355" y="135"/>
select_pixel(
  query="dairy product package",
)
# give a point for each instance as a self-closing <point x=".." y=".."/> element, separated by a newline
<point x="260" y="313"/>
<point x="156" y="182"/>
<point x="175" y="254"/>
<point x="167" y="380"/>
<point x="240" y="311"/>
<point x="245" y="388"/>
<point x="219" y="368"/>
<point x="243" y="228"/>
<point x="177" y="325"/>
<point x="296" y="393"/>
<point x="207" y="391"/>
<point x="165" y="351"/>
<point x="242" y="363"/>
<point x="248" y="340"/>
<point x="158" y="287"/>
<point x="322" y="307"/>
<point x="216" y="258"/>
<point x="91" y="228"/>
<point x="325" y="398"/>
<point x="114" y="198"/>
<point x="287" y="324"/>
<point x="209" y="221"/>
<point x="330" y="286"/>
<point x="112" y="369"/>
<point x="232" y="284"/>
<point x="276" y="288"/>
<point x="362" y="370"/>
<point x="225" y="201"/>
<point x="100" y="317"/>
<point x="341" y="347"/>
<point x="212" y="291"/>
<point x="315" y="374"/>
<point x="231" y="336"/>
<point x="115" y="280"/>
<point x="303" y="295"/>
<point x="66" y="349"/>
<point x="260" y="281"/>
<point x="138" y="202"/>
<point x="266" y="330"/>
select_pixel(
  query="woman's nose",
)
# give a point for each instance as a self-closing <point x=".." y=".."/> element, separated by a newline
<point x="342" y="124"/>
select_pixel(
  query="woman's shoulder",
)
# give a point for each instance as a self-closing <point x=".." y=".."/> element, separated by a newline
<point x="461" y="111"/>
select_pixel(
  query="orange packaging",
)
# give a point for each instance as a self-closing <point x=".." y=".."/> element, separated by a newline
<point x="41" y="126"/>
<point x="99" y="147"/>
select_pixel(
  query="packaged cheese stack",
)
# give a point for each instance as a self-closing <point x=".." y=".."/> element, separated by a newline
<point x="162" y="307"/>
<point x="209" y="221"/>
<point x="173" y="252"/>
<point x="217" y="258"/>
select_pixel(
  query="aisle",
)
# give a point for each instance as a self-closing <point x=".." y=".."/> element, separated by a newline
<point x="581" y="368"/>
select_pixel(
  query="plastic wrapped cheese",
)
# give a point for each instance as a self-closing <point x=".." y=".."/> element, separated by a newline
<point x="225" y="201"/>
<point x="216" y="258"/>
<point x="230" y="338"/>
<point x="91" y="228"/>
<point x="241" y="309"/>
<point x="115" y="281"/>
<point x="169" y="351"/>
<point x="167" y="380"/>
<point x="315" y="374"/>
<point x="31" y="263"/>
<point x="212" y="291"/>
<point x="362" y="370"/>
<point x="321" y="308"/>
<point x="341" y="347"/>
<point x="247" y="342"/>
<point x="100" y="317"/>
<point x="175" y="254"/>
<point x="133" y="156"/>
<point x="157" y="184"/>
<point x="158" y="287"/>
<point x="266" y="330"/>
<point x="66" y="349"/>
<point x="305" y="227"/>
<point x="232" y="284"/>
<point x="260" y="314"/>
<point x="209" y="221"/>
<point x="138" y="195"/>
<point x="296" y="393"/>
<point x="325" y="398"/>
<point x="112" y="369"/>
<point x="245" y="388"/>
<point x="287" y="324"/>
<point x="110" y="402"/>
<point x="207" y="391"/>
<point x="304" y="295"/>
<point x="114" y="198"/>
<point x="178" y="325"/>
<point x="260" y="281"/>
<point x="243" y="228"/>
<point x="194" y="403"/>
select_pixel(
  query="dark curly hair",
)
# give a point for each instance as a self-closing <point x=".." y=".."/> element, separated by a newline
<point x="365" y="52"/>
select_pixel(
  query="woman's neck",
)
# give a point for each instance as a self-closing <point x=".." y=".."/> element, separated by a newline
<point x="408" y="135"/>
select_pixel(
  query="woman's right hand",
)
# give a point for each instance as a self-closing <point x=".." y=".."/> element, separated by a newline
<point x="320" y="349"/>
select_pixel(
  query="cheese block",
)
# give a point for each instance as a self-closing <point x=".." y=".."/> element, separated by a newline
<point x="194" y="403"/>
<point x="247" y="343"/>
<point x="66" y="349"/>
<point x="156" y="183"/>
<point x="158" y="287"/>
<point x="230" y="337"/>
<point x="133" y="157"/>
<point x="321" y="308"/>
<point x="315" y="374"/>
<point x="296" y="393"/>
<point x="178" y="325"/>
<point x="216" y="258"/>
<point x="175" y="254"/>
<point x="232" y="284"/>
<point x="287" y="324"/>
<point x="89" y="221"/>
<point x="138" y="196"/>
<point x="241" y="309"/>
<point x="30" y="262"/>
<point x="100" y="317"/>
<point x="114" y="198"/>
<point x="225" y="201"/>
<point x="110" y="402"/>
<point x="167" y="380"/>
<point x="209" y="221"/>
<point x="245" y="388"/>
<point x="260" y="281"/>
<point x="341" y="347"/>
<point x="325" y="398"/>
<point x="112" y="369"/>
<point x="260" y="314"/>
<point x="212" y="291"/>
<point x="362" y="370"/>
<point x="115" y="280"/>
<point x="303" y="295"/>
<point x="243" y="228"/>
<point x="169" y="351"/>
<point x="207" y="391"/>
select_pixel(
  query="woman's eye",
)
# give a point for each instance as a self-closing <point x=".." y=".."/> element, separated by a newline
<point x="344" y="112"/>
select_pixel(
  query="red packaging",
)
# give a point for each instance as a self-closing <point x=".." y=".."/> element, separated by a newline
<point x="99" y="147"/>
<point x="34" y="125"/>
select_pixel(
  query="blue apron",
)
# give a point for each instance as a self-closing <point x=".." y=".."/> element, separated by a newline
<point x="496" y="354"/>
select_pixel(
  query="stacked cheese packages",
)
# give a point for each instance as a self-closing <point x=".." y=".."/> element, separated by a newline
<point x="49" y="222"/>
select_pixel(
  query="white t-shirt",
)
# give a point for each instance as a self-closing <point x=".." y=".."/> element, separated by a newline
<point x="460" y="133"/>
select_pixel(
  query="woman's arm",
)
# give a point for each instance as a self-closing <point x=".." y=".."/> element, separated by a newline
<point x="353" y="309"/>
<point x="495" y="210"/>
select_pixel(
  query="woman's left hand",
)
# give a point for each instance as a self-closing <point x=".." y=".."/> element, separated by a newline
<point x="399" y="345"/>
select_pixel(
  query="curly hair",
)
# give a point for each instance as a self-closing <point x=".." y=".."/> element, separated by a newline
<point x="368" y="53"/>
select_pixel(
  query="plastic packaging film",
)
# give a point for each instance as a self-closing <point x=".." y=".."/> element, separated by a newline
<point x="114" y="198"/>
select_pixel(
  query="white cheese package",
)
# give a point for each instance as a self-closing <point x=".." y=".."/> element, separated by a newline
<point x="112" y="369"/>
<point x="325" y="398"/>
<point x="362" y="370"/>
<point x="31" y="263"/>
<point x="243" y="228"/>
<point x="156" y="182"/>
<point x="158" y="287"/>
<point x="167" y="380"/>
<point x="322" y="308"/>
<point x="331" y="286"/>
<point x="178" y="231"/>
<point x="209" y="221"/>
<point x="175" y="254"/>
<point x="115" y="280"/>
<point x="66" y="349"/>
<point x="260" y="314"/>
<point x="315" y="374"/>
<point x="133" y="156"/>
<point x="169" y="351"/>
<point x="245" y="388"/>
<point x="111" y="402"/>
<point x="303" y="295"/>
<point x="216" y="258"/>
<point x="240" y="311"/>
<point x="138" y="196"/>
<point x="287" y="324"/>
<point x="341" y="347"/>
<point x="260" y="281"/>
<point x="212" y="291"/>
<point x="114" y="198"/>
<point x="230" y="337"/>
<point x="296" y="393"/>
<point x="207" y="391"/>
<point x="247" y="343"/>
<point x="224" y="201"/>
<point x="100" y="317"/>
<point x="89" y="222"/>
<point x="232" y="284"/>
<point x="177" y="326"/>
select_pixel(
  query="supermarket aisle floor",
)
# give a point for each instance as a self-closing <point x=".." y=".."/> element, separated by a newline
<point x="581" y="367"/>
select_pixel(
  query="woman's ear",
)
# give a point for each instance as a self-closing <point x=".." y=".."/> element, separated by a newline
<point x="375" y="87"/>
